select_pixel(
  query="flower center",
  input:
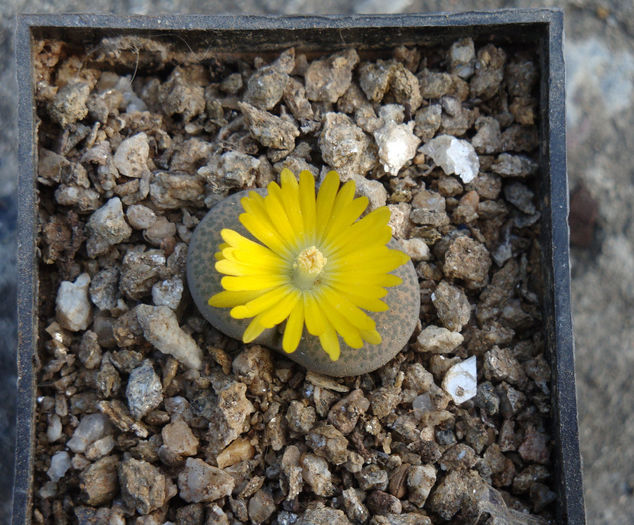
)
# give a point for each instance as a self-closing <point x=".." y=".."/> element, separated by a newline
<point x="308" y="267"/>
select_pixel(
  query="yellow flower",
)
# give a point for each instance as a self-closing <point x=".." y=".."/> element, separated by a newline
<point x="317" y="264"/>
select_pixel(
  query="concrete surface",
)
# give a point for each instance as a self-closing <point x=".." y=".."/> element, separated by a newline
<point x="600" y="69"/>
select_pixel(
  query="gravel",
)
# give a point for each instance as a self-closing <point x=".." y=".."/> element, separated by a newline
<point x="597" y="47"/>
<point x="371" y="432"/>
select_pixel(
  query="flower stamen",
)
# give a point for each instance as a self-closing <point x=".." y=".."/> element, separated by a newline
<point x="308" y="266"/>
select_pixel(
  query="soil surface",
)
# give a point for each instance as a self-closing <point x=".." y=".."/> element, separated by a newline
<point x="136" y="390"/>
<point x="600" y="68"/>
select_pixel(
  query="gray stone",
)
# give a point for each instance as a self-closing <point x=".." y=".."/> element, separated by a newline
<point x="428" y="208"/>
<point x="326" y="441"/>
<point x="261" y="506"/>
<point x="178" y="439"/>
<point x="180" y="95"/>
<point x="416" y="248"/>
<point x="420" y="481"/>
<point x="107" y="226"/>
<point x="427" y="121"/>
<point x="168" y="292"/>
<point x="144" y="391"/>
<point x="372" y="477"/>
<point x="452" y="306"/>
<point x="300" y="417"/>
<point x="161" y="329"/>
<point x="319" y="514"/>
<point x="91" y="428"/>
<point x="100" y="448"/>
<point x="488" y="139"/>
<point x="132" y="155"/>
<point x="345" y="413"/>
<point x="521" y="197"/>
<point x="60" y="463"/>
<point x="353" y="505"/>
<point x="329" y="78"/>
<point x="438" y="340"/>
<point x="170" y="191"/>
<point x="233" y="169"/>
<point x="104" y="287"/>
<point x="343" y="144"/>
<point x="269" y="130"/>
<point x="434" y="84"/>
<point x="266" y="87"/>
<point x="462" y="58"/>
<point x="140" y="217"/>
<point x="489" y="72"/>
<point x="229" y="411"/>
<point x="468" y="259"/>
<point x="508" y="165"/>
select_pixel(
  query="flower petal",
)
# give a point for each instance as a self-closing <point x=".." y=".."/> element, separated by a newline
<point x="316" y="322"/>
<point x="294" y="328"/>
<point x="278" y="313"/>
<point x="350" y="333"/>
<point x="229" y="299"/>
<point x="344" y="307"/>
<point x="291" y="202"/>
<point x="256" y="220"/>
<point x="277" y="214"/>
<point x="344" y="218"/>
<point x="252" y="282"/>
<point x="371" y="336"/>
<point x="247" y="249"/>
<point x="260" y="303"/>
<point x="252" y="331"/>
<point x="325" y="201"/>
<point x="330" y="343"/>
<point x="233" y="267"/>
<point x="307" y="203"/>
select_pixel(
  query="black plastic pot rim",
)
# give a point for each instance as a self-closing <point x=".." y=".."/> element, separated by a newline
<point x="543" y="27"/>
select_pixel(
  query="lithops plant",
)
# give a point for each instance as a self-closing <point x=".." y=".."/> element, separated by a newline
<point x="303" y="274"/>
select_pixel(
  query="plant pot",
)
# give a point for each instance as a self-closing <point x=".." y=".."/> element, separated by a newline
<point x="218" y="38"/>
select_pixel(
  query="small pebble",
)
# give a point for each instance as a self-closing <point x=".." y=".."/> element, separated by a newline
<point x="168" y="293"/>
<point x="316" y="474"/>
<point x="73" y="309"/>
<point x="132" y="155"/>
<point x="200" y="482"/>
<point x="329" y="78"/>
<point x="107" y="226"/>
<point x="144" y="390"/>
<point x="161" y="329"/>
<point x="143" y="486"/>
<point x="91" y="428"/>
<point x="461" y="382"/>
<point x="60" y="463"/>
<point x="179" y="439"/>
<point x="453" y="156"/>
<point x="420" y="481"/>
<point x="98" y="481"/>
<point x="452" y="306"/>
<point x="140" y="217"/>
<point x="438" y="340"/>
<point x="397" y="145"/>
